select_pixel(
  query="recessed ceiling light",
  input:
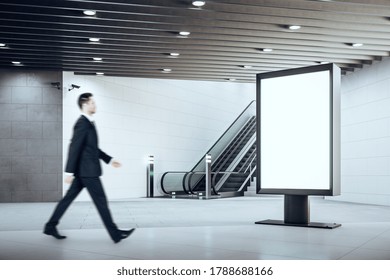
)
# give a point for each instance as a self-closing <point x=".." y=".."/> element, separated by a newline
<point x="198" y="3"/>
<point x="99" y="73"/>
<point x="356" y="45"/>
<point x="16" y="62"/>
<point x="94" y="40"/>
<point x="231" y="79"/>
<point x="166" y="70"/>
<point x="174" y="54"/>
<point x="97" y="59"/>
<point x="294" y="27"/>
<point x="267" y="50"/>
<point x="184" y="33"/>
<point x="89" y="12"/>
<point x="2" y="45"/>
<point x="246" y="66"/>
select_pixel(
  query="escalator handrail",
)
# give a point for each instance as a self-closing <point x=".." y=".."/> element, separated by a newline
<point x="229" y="146"/>
<point x="241" y="134"/>
<point x="213" y="173"/>
<point x="245" y="133"/>
<point x="251" y="156"/>
<point x="236" y="172"/>
<point x="192" y="173"/>
<point x="178" y="172"/>
<point x="232" y="141"/>
<point x="216" y="142"/>
<point x="247" y="178"/>
<point x="184" y="181"/>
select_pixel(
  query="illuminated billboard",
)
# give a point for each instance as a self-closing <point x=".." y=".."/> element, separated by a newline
<point x="298" y="133"/>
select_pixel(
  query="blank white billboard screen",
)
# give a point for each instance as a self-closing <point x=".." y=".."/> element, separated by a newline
<point x="295" y="131"/>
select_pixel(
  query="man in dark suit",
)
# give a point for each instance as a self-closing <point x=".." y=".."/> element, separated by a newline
<point x="83" y="170"/>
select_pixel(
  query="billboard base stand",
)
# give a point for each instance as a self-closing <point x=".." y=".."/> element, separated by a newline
<point x="297" y="213"/>
<point x="310" y="225"/>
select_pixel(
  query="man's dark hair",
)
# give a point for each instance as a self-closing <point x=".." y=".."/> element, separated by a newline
<point x="84" y="98"/>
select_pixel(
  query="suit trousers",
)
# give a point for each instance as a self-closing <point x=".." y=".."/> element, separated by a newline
<point x="96" y="191"/>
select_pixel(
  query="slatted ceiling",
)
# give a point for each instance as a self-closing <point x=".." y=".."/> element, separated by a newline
<point x="235" y="21"/>
<point x="197" y="38"/>
<point x="201" y="52"/>
<point x="137" y="36"/>
<point x="215" y="57"/>
<point x="277" y="34"/>
<point x="205" y="51"/>
<point x="252" y="43"/>
<point x="191" y="65"/>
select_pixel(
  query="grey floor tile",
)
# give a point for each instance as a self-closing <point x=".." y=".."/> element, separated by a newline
<point x="192" y="229"/>
<point x="367" y="254"/>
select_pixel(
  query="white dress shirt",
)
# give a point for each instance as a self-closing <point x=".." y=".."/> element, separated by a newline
<point x="90" y="118"/>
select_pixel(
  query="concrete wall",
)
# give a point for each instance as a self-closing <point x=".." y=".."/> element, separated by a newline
<point x="365" y="135"/>
<point x="176" y="121"/>
<point x="30" y="136"/>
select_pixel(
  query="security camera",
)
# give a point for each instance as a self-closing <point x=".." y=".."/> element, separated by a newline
<point x="73" y="86"/>
<point x="57" y="85"/>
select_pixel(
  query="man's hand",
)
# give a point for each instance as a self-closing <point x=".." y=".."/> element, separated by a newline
<point x="69" y="179"/>
<point x="116" y="164"/>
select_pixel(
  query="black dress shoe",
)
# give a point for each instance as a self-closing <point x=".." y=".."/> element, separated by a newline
<point x="124" y="234"/>
<point x="53" y="232"/>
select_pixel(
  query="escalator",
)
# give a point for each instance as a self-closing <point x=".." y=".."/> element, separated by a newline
<point x="233" y="163"/>
<point x="238" y="181"/>
<point x="227" y="170"/>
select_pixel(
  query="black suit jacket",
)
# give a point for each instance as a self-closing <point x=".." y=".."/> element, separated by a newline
<point x="84" y="153"/>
